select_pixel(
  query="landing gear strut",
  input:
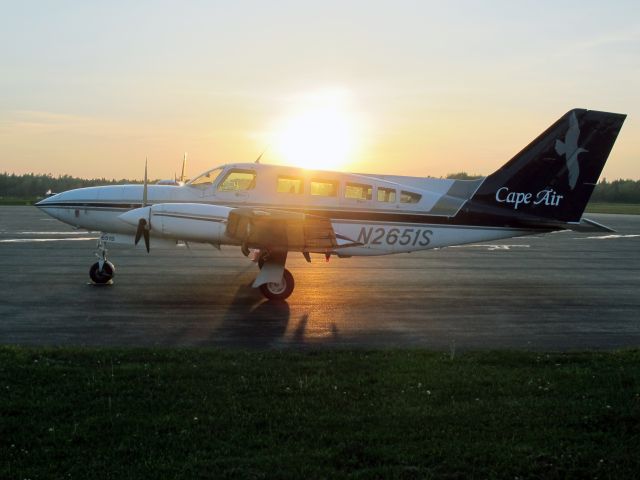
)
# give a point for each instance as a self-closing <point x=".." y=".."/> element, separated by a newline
<point x="102" y="271"/>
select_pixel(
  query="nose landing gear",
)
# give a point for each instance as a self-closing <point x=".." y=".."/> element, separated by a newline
<point x="102" y="271"/>
<point x="102" y="275"/>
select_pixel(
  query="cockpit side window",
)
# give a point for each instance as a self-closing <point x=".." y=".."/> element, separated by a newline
<point x="409" y="197"/>
<point x="206" y="179"/>
<point x="238" y="180"/>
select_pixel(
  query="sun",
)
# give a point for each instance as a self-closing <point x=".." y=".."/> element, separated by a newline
<point x="320" y="132"/>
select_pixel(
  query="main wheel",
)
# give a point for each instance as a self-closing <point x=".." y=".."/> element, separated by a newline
<point x="281" y="290"/>
<point x="101" y="276"/>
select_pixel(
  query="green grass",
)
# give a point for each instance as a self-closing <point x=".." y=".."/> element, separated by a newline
<point x="142" y="413"/>
<point x="620" y="208"/>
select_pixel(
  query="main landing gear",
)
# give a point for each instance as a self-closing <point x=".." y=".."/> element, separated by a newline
<point x="279" y="291"/>
<point x="102" y="271"/>
<point x="274" y="281"/>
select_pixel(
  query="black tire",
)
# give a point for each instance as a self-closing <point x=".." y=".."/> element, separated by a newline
<point x="101" y="277"/>
<point x="279" y="291"/>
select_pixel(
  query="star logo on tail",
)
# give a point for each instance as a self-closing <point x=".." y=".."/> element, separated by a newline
<point x="569" y="148"/>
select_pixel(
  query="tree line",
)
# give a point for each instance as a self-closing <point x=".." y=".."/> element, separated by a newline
<point x="32" y="186"/>
<point x="617" y="191"/>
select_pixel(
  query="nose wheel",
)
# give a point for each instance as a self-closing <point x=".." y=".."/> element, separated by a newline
<point x="101" y="275"/>
<point x="102" y="271"/>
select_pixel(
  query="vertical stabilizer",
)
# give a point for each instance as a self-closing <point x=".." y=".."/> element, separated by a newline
<point x="553" y="177"/>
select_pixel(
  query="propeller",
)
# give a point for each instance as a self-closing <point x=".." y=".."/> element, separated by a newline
<point x="143" y="225"/>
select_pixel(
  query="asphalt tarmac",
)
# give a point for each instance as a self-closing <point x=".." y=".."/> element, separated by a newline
<point x="561" y="291"/>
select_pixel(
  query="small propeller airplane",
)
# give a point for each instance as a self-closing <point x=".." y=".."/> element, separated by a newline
<point x="270" y="211"/>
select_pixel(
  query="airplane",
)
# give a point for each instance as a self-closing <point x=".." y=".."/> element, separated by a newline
<point x="176" y="181"/>
<point x="270" y="211"/>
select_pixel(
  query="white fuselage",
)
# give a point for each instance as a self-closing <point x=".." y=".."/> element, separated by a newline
<point x="382" y="214"/>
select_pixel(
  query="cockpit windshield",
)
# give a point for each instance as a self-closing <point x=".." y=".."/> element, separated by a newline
<point x="206" y="179"/>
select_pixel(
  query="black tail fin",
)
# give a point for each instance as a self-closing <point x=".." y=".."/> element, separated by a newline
<point x="553" y="177"/>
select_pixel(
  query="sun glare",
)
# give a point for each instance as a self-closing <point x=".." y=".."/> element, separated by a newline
<point x="320" y="132"/>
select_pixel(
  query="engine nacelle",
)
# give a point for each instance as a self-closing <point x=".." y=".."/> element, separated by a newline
<point x="195" y="222"/>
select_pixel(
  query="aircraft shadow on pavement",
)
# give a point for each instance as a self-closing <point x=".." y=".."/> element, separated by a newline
<point x="251" y="321"/>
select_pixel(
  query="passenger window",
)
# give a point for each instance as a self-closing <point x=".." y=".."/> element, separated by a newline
<point x="358" y="191"/>
<point x="386" y="195"/>
<point x="409" y="197"/>
<point x="324" y="188"/>
<point x="237" y="180"/>
<point x="289" y="185"/>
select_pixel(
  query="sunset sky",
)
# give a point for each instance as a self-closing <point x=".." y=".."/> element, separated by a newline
<point x="415" y="88"/>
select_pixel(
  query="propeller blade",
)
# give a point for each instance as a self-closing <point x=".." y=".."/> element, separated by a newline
<point x="145" y="232"/>
<point x="142" y="223"/>
<point x="142" y="231"/>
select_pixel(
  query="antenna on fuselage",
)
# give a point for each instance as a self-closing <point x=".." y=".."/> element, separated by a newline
<point x="260" y="156"/>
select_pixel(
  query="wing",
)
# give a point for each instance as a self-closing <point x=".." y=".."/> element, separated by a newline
<point x="287" y="231"/>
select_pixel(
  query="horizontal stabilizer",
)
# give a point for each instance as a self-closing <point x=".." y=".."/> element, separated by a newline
<point x="587" y="225"/>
